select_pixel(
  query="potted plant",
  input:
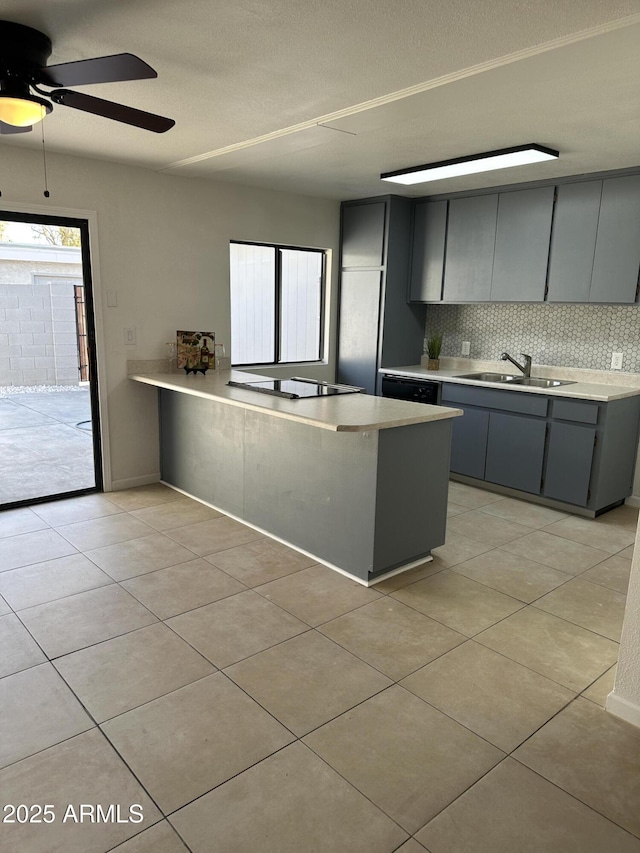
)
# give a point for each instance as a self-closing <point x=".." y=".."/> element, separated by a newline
<point x="434" y="345"/>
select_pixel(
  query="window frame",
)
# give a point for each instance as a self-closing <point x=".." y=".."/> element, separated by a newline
<point x="277" y="290"/>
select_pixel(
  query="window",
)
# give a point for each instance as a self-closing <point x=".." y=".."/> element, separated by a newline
<point x="276" y="303"/>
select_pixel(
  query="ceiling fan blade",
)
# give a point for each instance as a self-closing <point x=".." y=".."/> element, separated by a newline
<point x="109" y="109"/>
<point x="101" y="69"/>
<point x="10" y="128"/>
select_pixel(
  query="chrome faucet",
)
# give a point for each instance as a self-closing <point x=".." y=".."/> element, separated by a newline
<point x="525" y="368"/>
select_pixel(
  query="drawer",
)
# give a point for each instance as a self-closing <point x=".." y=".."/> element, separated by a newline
<point x="575" y="410"/>
<point x="493" y="398"/>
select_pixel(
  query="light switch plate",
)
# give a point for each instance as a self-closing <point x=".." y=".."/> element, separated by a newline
<point x="616" y="360"/>
<point x="112" y="298"/>
<point x="130" y="336"/>
<point x="466" y="347"/>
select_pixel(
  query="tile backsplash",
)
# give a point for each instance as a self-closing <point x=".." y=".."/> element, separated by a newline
<point x="563" y="335"/>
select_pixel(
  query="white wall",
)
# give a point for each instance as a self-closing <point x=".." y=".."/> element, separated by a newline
<point x="624" y="700"/>
<point x="162" y="244"/>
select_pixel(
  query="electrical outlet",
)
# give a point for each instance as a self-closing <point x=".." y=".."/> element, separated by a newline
<point x="130" y="336"/>
<point x="466" y="347"/>
<point x="616" y="360"/>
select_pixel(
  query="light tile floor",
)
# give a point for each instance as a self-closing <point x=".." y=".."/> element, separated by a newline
<point x="159" y="657"/>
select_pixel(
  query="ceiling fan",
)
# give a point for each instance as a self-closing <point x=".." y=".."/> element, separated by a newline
<point x="23" y="71"/>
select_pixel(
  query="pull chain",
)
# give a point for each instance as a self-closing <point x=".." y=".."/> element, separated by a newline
<point x="44" y="163"/>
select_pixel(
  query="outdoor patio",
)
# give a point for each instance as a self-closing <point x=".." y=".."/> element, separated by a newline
<point x="46" y="443"/>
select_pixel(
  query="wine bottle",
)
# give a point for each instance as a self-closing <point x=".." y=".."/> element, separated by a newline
<point x="204" y="353"/>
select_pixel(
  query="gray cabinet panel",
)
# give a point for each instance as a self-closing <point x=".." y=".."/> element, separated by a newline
<point x="471" y="235"/>
<point x="522" y="245"/>
<point x="469" y="443"/>
<point x="617" y="253"/>
<point x="377" y="326"/>
<point x="363" y="234"/>
<point x="569" y="459"/>
<point x="427" y="261"/>
<point x="573" y="241"/>
<point x="359" y="328"/>
<point x="575" y="410"/>
<point x="515" y="452"/>
<point x="509" y="401"/>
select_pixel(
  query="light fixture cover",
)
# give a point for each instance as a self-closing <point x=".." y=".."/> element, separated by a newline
<point x="23" y="110"/>
<point x="501" y="159"/>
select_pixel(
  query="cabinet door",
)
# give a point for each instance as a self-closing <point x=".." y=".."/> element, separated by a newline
<point x="471" y="235"/>
<point x="515" y="451"/>
<point x="569" y="460"/>
<point x="522" y="245"/>
<point x="427" y="260"/>
<point x="363" y="234"/>
<point x="573" y="241"/>
<point x="359" y="328"/>
<point x="469" y="443"/>
<point x="617" y="254"/>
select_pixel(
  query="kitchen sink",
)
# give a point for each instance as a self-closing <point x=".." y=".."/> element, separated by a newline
<point x="489" y="377"/>
<point x="507" y="378"/>
<point x="540" y="383"/>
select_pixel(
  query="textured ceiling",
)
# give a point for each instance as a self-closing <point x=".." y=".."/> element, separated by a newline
<point x="320" y="98"/>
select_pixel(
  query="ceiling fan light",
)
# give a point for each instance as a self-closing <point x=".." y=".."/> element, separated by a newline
<point x="504" y="158"/>
<point x="22" y="111"/>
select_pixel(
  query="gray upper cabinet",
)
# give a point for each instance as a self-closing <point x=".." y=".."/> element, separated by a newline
<point x="617" y="254"/>
<point x="363" y="235"/>
<point x="577" y="242"/>
<point x="522" y="245"/>
<point x="574" y="241"/>
<point x="427" y="259"/>
<point x="471" y="236"/>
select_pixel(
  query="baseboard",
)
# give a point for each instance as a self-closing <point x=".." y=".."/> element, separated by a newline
<point x="633" y="500"/>
<point x="620" y="707"/>
<point x="132" y="482"/>
<point x="370" y="582"/>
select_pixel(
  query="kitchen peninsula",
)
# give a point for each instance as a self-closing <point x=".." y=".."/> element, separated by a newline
<point x="356" y="481"/>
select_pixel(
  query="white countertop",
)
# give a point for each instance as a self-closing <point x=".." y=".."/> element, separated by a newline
<point x="582" y="390"/>
<point x="341" y="413"/>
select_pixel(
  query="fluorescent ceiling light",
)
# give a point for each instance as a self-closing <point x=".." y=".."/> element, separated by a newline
<point x="503" y="159"/>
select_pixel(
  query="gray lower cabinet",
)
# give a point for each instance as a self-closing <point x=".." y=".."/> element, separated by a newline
<point x="581" y="453"/>
<point x="569" y="462"/>
<point x="515" y="451"/>
<point x="469" y="443"/>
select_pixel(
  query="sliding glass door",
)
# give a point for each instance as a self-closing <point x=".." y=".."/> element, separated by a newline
<point x="49" y="425"/>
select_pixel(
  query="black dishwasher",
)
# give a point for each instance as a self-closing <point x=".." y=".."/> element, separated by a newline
<point x="416" y="390"/>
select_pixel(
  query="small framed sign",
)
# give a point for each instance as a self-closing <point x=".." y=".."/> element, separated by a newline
<point x="196" y="351"/>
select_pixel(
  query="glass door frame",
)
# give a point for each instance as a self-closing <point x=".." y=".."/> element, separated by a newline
<point x="24" y="213"/>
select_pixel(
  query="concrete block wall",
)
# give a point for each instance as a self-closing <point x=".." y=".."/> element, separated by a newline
<point x="38" y="338"/>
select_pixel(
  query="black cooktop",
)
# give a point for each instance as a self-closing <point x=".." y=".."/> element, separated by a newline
<point x="296" y="387"/>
